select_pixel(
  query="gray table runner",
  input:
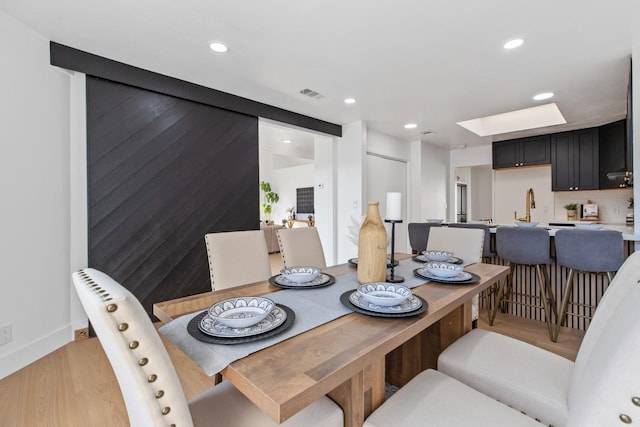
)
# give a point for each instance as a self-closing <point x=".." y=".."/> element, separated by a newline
<point x="313" y="307"/>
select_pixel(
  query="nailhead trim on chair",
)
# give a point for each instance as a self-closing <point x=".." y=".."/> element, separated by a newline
<point x="636" y="400"/>
<point x="122" y="327"/>
<point x="625" y="419"/>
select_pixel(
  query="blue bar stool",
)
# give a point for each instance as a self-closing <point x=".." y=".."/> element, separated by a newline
<point x="529" y="247"/>
<point x="419" y="234"/>
<point x="586" y="251"/>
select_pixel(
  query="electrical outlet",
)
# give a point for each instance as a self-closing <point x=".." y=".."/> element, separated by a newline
<point x="5" y="334"/>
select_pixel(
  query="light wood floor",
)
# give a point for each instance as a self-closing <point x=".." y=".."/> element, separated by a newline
<point x="75" y="386"/>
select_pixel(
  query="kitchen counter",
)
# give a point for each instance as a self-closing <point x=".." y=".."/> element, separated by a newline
<point x="626" y="230"/>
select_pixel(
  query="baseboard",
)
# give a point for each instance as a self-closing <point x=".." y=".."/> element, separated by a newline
<point x="21" y="357"/>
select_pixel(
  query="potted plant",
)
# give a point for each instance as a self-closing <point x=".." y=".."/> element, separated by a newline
<point x="571" y="210"/>
<point x="269" y="198"/>
<point x="311" y="221"/>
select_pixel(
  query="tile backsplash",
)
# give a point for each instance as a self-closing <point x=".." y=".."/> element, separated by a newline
<point x="612" y="204"/>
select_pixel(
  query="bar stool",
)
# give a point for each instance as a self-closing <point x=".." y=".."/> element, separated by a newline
<point x="528" y="247"/>
<point x="586" y="251"/>
<point x="419" y="234"/>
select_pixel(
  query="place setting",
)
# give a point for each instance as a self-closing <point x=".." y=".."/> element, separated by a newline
<point x="302" y="277"/>
<point x="241" y="320"/>
<point x="383" y="299"/>
<point x="437" y="256"/>
<point x="445" y="272"/>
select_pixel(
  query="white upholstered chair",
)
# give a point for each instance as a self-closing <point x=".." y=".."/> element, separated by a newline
<point x="301" y="247"/>
<point x="593" y="391"/>
<point x="465" y="243"/>
<point x="600" y="389"/>
<point x="148" y="381"/>
<point x="229" y="254"/>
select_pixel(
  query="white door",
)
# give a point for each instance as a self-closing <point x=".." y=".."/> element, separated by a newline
<point x="386" y="175"/>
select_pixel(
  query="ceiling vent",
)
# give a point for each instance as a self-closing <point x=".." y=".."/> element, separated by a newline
<point x="311" y="93"/>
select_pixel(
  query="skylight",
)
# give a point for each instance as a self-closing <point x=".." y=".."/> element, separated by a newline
<point x="513" y="121"/>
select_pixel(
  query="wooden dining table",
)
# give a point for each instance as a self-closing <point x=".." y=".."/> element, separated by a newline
<point x="350" y="358"/>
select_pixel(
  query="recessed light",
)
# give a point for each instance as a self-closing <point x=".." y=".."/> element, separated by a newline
<point x="410" y="126"/>
<point x="286" y="141"/>
<point x="349" y="100"/>
<point x="512" y="44"/>
<point x="218" y="47"/>
<point x="544" y="95"/>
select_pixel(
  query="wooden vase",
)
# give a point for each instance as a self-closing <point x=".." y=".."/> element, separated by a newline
<point x="372" y="247"/>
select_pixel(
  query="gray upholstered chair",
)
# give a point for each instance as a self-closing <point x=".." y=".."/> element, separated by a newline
<point x="150" y="386"/>
<point x="486" y="248"/>
<point x="529" y="247"/>
<point x="586" y="251"/>
<point x="230" y="252"/>
<point x="301" y="247"/>
<point x="419" y="234"/>
<point x="599" y="389"/>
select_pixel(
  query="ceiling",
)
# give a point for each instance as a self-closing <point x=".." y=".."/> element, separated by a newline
<point x="433" y="63"/>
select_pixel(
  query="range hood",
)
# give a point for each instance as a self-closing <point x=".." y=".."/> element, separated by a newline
<point x="624" y="176"/>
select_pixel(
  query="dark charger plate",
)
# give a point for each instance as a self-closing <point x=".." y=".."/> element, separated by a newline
<point x="194" y="330"/>
<point x="474" y="278"/>
<point x="344" y="299"/>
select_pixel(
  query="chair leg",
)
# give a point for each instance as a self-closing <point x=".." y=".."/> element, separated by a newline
<point x="544" y="298"/>
<point x="504" y="307"/>
<point x="568" y="289"/>
<point x="552" y="300"/>
<point x="500" y="295"/>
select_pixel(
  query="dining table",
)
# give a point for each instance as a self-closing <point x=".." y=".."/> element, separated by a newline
<point x="351" y="357"/>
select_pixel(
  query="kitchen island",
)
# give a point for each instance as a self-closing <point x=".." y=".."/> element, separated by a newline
<point x="588" y="288"/>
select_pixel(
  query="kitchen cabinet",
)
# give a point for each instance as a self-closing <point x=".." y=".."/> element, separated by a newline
<point x="575" y="160"/>
<point x="522" y="152"/>
<point x="614" y="151"/>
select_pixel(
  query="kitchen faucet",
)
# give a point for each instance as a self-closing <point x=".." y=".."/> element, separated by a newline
<point x="530" y="203"/>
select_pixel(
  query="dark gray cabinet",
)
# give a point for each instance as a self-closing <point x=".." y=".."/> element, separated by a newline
<point x="614" y="152"/>
<point x="522" y="152"/>
<point x="575" y="160"/>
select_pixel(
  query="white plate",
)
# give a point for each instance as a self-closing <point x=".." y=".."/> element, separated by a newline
<point x="459" y="278"/>
<point x="275" y="318"/>
<point x="320" y="280"/>
<point x="589" y="226"/>
<point x="384" y="294"/>
<point x="300" y="274"/>
<point x="241" y="312"/>
<point x="526" y="224"/>
<point x="410" y="304"/>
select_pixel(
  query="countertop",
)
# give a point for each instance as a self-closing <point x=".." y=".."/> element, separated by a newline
<point x="626" y="230"/>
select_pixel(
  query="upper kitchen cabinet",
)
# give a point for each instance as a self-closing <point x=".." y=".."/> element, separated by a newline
<point x="613" y="155"/>
<point x="575" y="160"/>
<point x="522" y="152"/>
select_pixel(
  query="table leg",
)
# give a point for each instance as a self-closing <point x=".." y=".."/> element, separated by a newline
<point x="350" y="397"/>
<point x="421" y="352"/>
<point x="361" y="394"/>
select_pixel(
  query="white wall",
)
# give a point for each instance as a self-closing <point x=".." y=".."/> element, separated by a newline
<point x="510" y="189"/>
<point x="465" y="157"/>
<point x="480" y="191"/>
<point x="435" y="180"/>
<point x="35" y="281"/>
<point x="325" y="195"/>
<point x="285" y="181"/>
<point x="350" y="152"/>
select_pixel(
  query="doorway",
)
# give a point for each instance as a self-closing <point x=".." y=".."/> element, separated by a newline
<point x="386" y="175"/>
